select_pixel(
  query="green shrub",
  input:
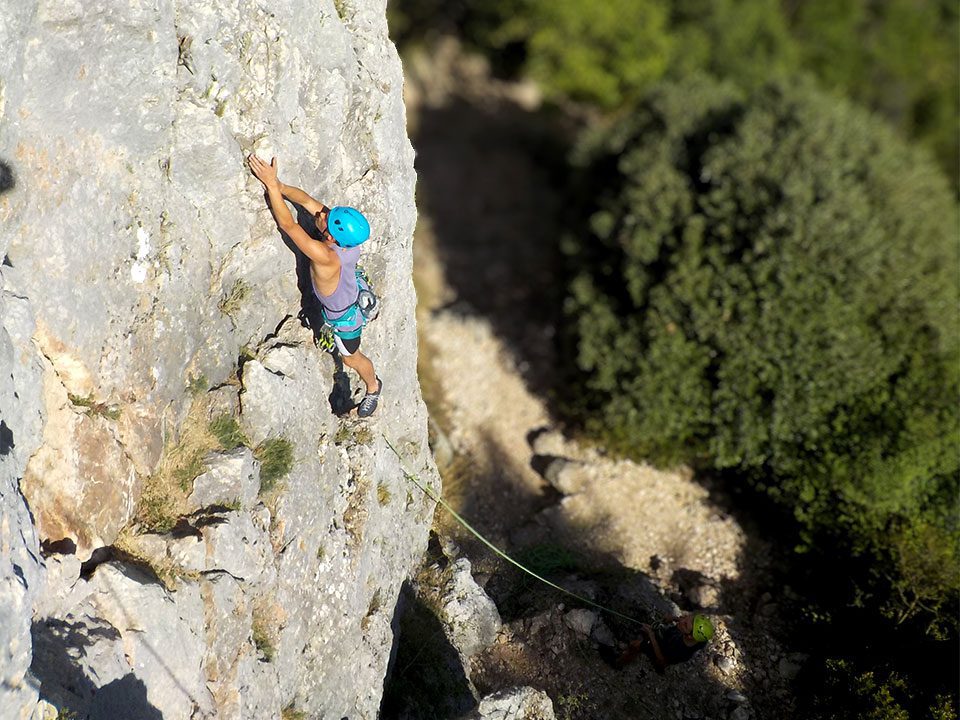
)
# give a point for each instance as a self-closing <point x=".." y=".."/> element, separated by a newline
<point x="768" y="286"/>
<point x="548" y="559"/>
<point x="847" y="693"/>
<point x="197" y="385"/>
<point x="746" y="41"/>
<point x="606" y="55"/>
<point x="898" y="57"/>
<point x="276" y="460"/>
<point x="226" y="429"/>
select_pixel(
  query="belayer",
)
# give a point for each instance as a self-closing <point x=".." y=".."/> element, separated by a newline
<point x="333" y="263"/>
<point x="671" y="641"/>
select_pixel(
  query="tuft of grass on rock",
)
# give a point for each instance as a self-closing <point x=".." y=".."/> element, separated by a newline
<point x="353" y="435"/>
<point x="226" y="429"/>
<point x="263" y="641"/>
<point x="93" y="407"/>
<point x="197" y="384"/>
<point x="163" y="499"/>
<point x="267" y="619"/>
<point x="376" y="604"/>
<point x="291" y="713"/>
<point x="168" y="571"/>
<point x="342" y="435"/>
<point x="192" y="467"/>
<point x="230" y="304"/>
<point x="276" y="460"/>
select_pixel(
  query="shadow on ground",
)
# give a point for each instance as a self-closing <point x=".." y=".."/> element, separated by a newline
<point x="425" y="678"/>
<point x="486" y="173"/>
<point x="489" y="177"/>
<point x="542" y="649"/>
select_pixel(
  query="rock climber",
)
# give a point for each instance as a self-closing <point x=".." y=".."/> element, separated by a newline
<point x="671" y="641"/>
<point x="333" y="262"/>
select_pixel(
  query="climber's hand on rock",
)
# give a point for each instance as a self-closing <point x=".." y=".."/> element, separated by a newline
<point x="267" y="174"/>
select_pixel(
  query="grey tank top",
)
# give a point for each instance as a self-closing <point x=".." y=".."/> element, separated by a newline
<point x="340" y="300"/>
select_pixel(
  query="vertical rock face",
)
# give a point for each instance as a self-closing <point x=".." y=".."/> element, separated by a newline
<point x="21" y="572"/>
<point x="140" y="260"/>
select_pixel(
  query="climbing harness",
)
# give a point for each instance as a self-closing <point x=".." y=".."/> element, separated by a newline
<point x="433" y="496"/>
<point x="355" y="316"/>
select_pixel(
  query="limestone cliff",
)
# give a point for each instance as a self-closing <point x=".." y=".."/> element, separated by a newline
<point x="145" y="293"/>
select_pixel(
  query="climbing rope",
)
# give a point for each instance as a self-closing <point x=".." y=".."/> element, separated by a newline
<point x="433" y="496"/>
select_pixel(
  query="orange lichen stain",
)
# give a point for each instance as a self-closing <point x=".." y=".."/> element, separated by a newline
<point x="72" y="372"/>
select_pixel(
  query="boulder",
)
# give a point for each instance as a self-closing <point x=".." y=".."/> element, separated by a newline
<point x="524" y="703"/>
<point x="581" y="621"/>
<point x="124" y="646"/>
<point x="470" y="617"/>
<point x="566" y="476"/>
<point x="232" y="477"/>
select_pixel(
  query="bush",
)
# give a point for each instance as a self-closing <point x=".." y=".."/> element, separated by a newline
<point x="746" y="41"/>
<point x="768" y="286"/>
<point x="226" y="428"/>
<point x="276" y="460"/>
<point x="847" y="693"/>
<point x="898" y="57"/>
<point x="606" y="55"/>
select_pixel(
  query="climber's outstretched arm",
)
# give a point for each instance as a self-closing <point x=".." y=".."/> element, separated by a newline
<point x="313" y="249"/>
<point x="295" y="194"/>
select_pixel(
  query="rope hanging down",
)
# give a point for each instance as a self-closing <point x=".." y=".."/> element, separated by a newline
<point x="433" y="496"/>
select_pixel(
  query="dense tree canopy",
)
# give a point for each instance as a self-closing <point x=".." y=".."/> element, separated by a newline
<point x="897" y="57"/>
<point x="766" y="280"/>
<point x="769" y="286"/>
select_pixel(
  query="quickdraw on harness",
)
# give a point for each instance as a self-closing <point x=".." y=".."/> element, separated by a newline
<point x="364" y="309"/>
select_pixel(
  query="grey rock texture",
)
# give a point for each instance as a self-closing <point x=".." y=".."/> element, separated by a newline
<point x="121" y="624"/>
<point x="21" y="421"/>
<point x="580" y="620"/>
<point x="470" y="617"/>
<point x="231" y="477"/>
<point x="139" y="259"/>
<point x="524" y="703"/>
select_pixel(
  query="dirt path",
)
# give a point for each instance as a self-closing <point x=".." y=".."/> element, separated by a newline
<point x="485" y="257"/>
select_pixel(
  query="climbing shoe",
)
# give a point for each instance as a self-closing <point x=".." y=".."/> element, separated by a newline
<point x="368" y="405"/>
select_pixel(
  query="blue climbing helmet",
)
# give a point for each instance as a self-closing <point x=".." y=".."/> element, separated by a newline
<point x="348" y="226"/>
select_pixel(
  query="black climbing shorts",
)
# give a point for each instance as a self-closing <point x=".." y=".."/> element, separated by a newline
<point x="347" y="347"/>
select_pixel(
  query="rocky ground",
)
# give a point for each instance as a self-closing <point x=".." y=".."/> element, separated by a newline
<point x="628" y="536"/>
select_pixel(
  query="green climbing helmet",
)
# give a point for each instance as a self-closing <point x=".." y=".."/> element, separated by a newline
<point x="348" y="226"/>
<point x="702" y="628"/>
